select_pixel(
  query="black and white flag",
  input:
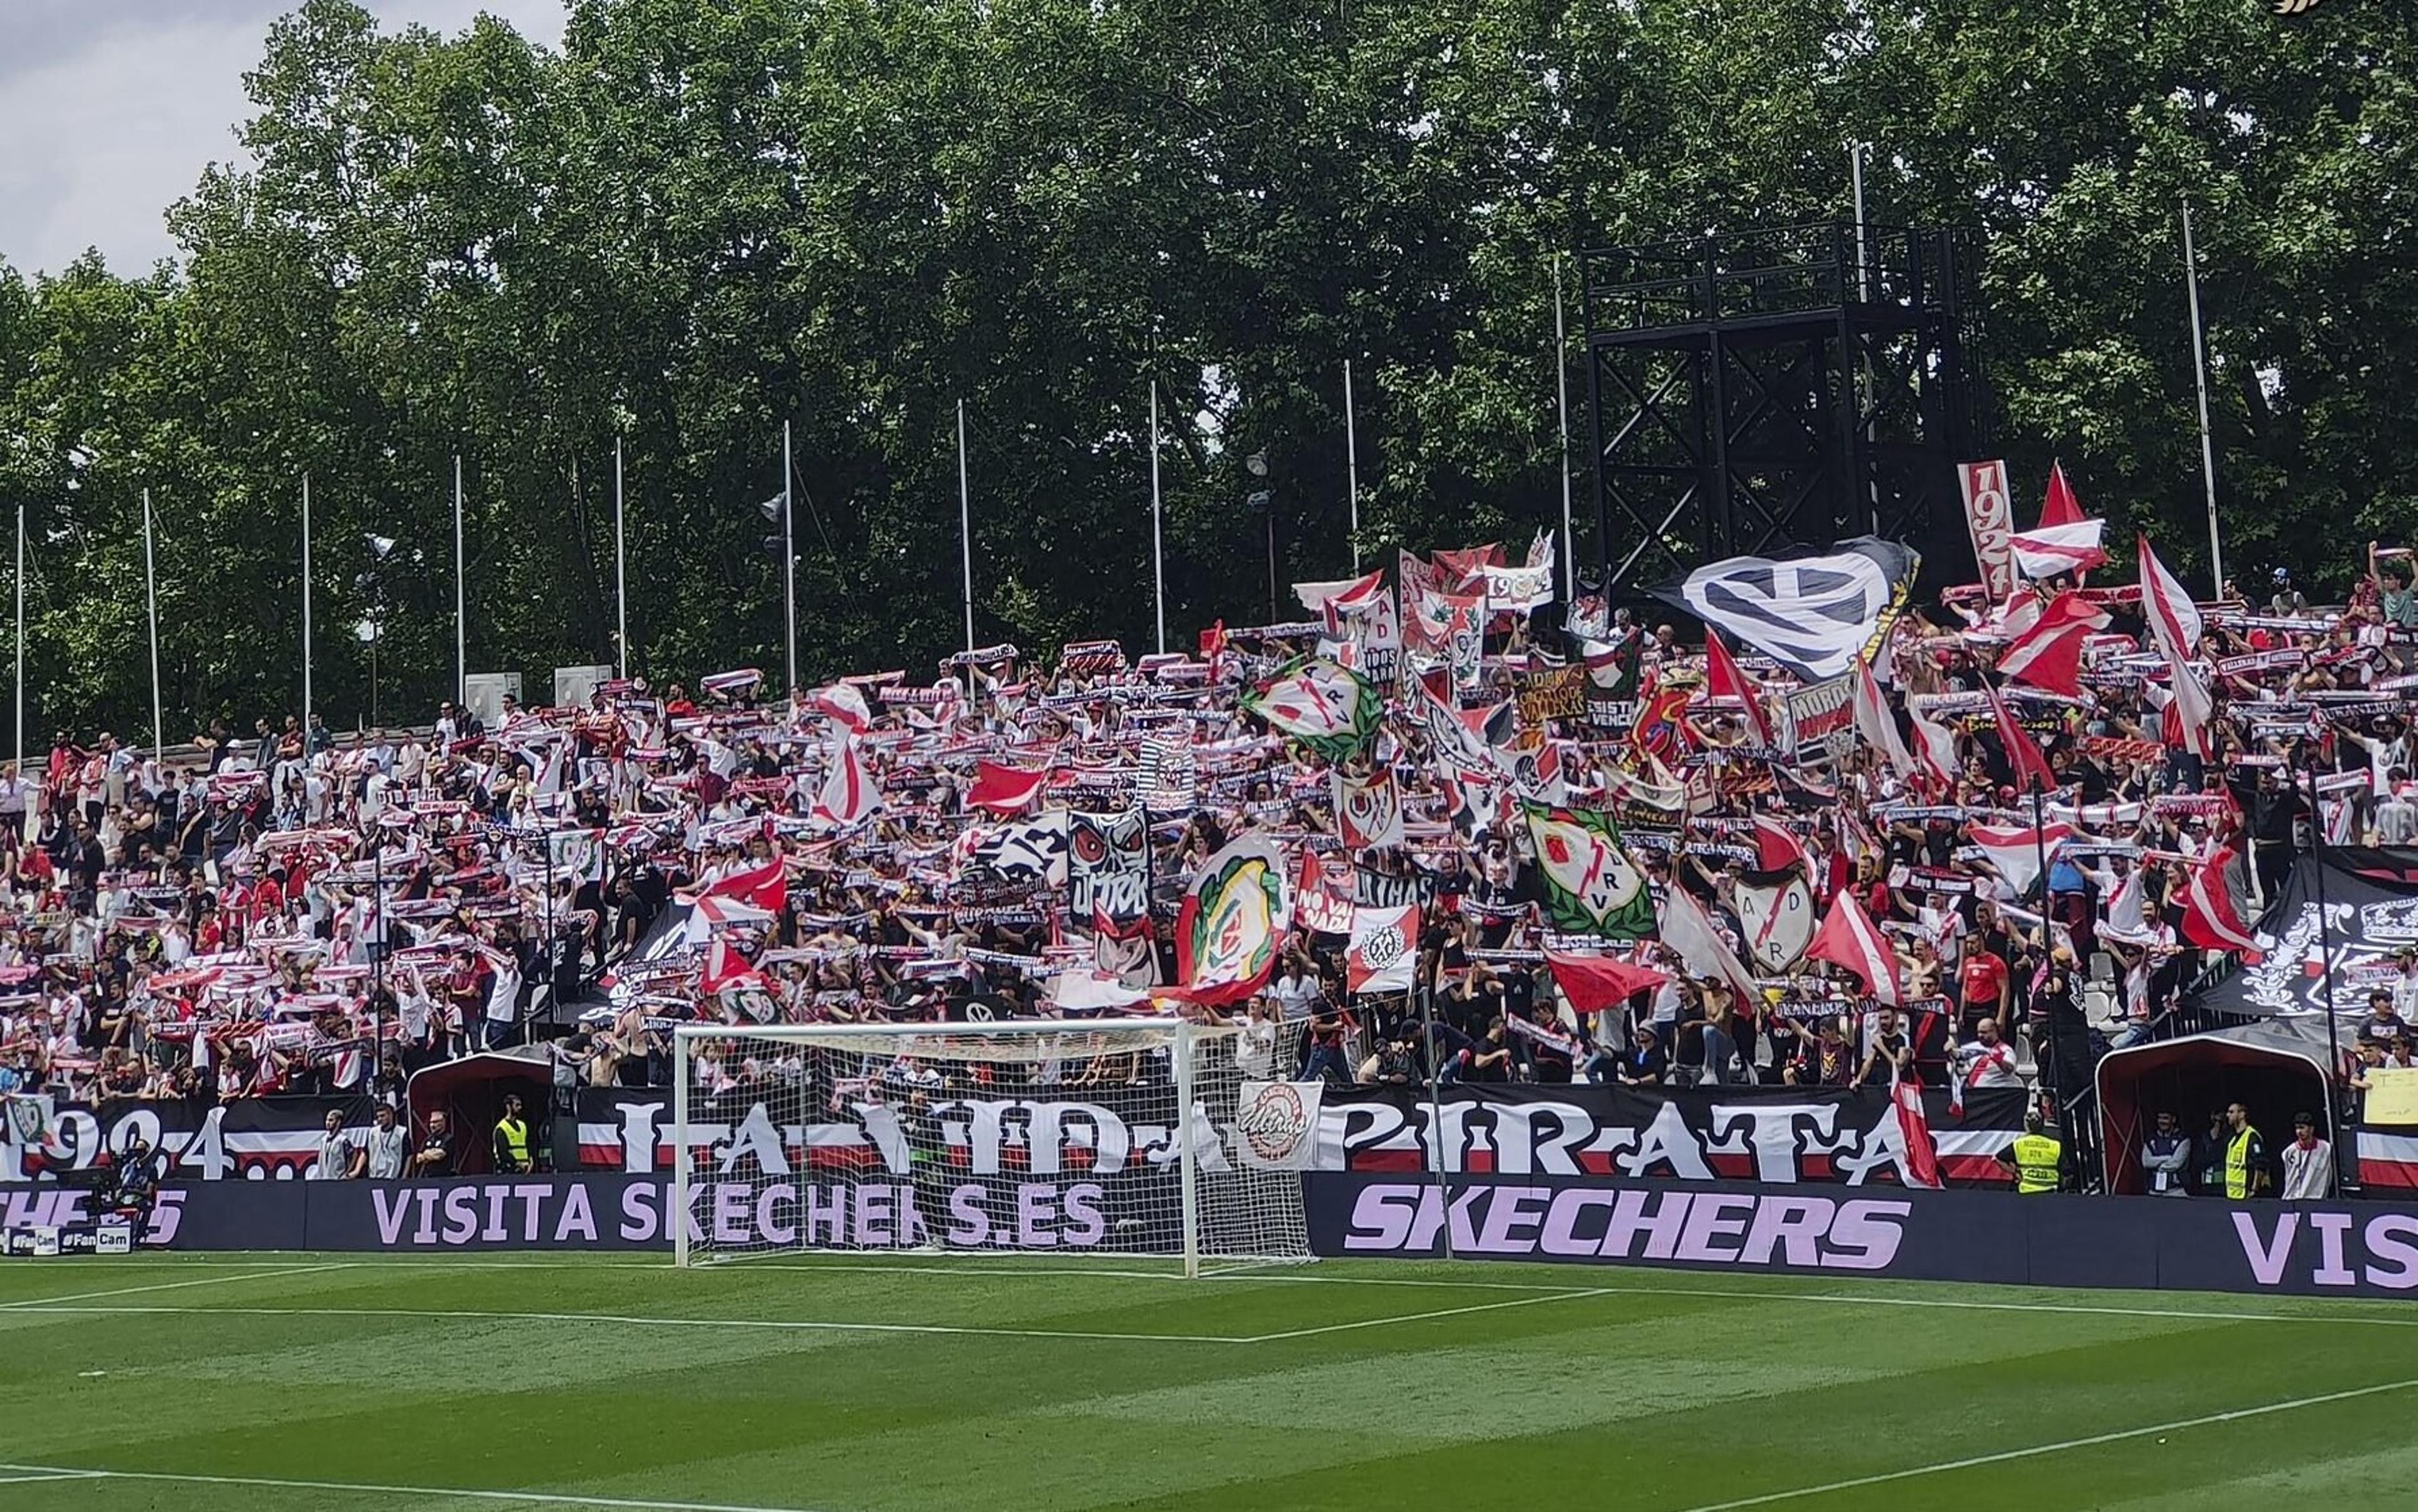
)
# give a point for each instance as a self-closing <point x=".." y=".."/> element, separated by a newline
<point x="1814" y="615"/>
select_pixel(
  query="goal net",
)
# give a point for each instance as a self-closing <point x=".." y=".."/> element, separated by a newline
<point x="1104" y="1136"/>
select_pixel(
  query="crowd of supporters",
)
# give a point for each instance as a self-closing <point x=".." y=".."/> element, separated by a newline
<point x="301" y="909"/>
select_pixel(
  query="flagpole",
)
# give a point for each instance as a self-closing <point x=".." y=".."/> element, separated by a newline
<point x="461" y="616"/>
<point x="2049" y="1079"/>
<point x="789" y="567"/>
<point x="21" y="639"/>
<point x="306" y="609"/>
<point x="2325" y="947"/>
<point x="151" y="596"/>
<point x="1352" y="461"/>
<point x="1562" y="406"/>
<point x="620" y="570"/>
<point x="2199" y="371"/>
<point x="1157" y="543"/>
<point x="965" y="526"/>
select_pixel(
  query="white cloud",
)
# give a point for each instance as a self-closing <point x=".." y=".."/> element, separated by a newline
<point x="111" y="125"/>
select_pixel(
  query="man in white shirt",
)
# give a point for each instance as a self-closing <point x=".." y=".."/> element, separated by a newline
<point x="2308" y="1162"/>
<point x="1987" y="1060"/>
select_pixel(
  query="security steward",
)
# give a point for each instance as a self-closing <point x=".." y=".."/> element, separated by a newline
<point x="2245" y="1155"/>
<point x="2037" y="1159"/>
<point x="513" y="1139"/>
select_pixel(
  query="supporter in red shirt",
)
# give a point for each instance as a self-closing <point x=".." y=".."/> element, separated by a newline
<point x="1983" y="986"/>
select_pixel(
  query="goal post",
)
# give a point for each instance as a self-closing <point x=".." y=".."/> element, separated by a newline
<point x="1049" y="1138"/>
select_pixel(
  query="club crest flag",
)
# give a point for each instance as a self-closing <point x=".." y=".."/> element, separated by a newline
<point x="1776" y="909"/>
<point x="1329" y="709"/>
<point x="1276" y="1124"/>
<point x="1234" y="919"/>
<point x="1589" y="886"/>
<point x="1384" y="949"/>
<point x="1814" y="615"/>
<point x="1367" y="809"/>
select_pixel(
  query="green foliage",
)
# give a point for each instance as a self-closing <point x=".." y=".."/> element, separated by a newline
<point x="706" y="217"/>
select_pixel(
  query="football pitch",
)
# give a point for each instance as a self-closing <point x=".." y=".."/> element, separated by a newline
<point x="281" y="1383"/>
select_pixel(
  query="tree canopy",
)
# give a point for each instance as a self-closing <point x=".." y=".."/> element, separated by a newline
<point x="703" y="217"/>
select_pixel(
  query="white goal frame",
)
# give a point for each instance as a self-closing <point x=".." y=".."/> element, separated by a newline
<point x="1181" y="1036"/>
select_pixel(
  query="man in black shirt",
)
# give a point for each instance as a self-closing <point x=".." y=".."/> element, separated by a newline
<point x="435" y="1156"/>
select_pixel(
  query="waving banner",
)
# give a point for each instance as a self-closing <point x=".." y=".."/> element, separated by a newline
<point x="1814" y="615"/>
<point x="1234" y="919"/>
<point x="1590" y="887"/>
<point x="1108" y="872"/>
<point x="1776" y="909"/>
<point x="1327" y="708"/>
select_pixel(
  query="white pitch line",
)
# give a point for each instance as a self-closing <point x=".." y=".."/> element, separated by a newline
<point x="620" y="1320"/>
<point x="2062" y="1446"/>
<point x="539" y="1498"/>
<point x="34" y="1304"/>
<point x="1423" y="1317"/>
<point x="55" y="1475"/>
<point x="2085" y="1309"/>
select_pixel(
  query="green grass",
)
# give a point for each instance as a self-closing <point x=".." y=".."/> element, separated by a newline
<point x="1001" y="1387"/>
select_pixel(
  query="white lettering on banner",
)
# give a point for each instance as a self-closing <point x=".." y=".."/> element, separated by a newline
<point x="1990" y="516"/>
<point x="992" y="1135"/>
<point x="58" y="1207"/>
<point x="2388" y="1243"/>
<point x="1510" y="1220"/>
<point x="1276" y="1124"/>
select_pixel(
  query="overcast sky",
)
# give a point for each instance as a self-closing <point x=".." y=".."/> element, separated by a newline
<point x="110" y="109"/>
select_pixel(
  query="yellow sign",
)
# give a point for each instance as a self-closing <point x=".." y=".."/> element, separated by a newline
<point x="2392" y="1097"/>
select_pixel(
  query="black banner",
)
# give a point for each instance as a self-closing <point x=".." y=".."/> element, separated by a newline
<point x="1776" y="1134"/>
<point x="2117" y="1242"/>
<point x="1134" y="1212"/>
<point x="2371" y="896"/>
<point x="252" y="1137"/>
<point x="1761" y="1134"/>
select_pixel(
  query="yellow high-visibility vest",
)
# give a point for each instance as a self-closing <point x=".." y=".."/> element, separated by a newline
<point x="2038" y="1158"/>
<point x="516" y="1135"/>
<point x="2236" y="1162"/>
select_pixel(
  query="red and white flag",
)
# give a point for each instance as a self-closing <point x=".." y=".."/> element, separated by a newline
<point x="2060" y="508"/>
<point x="727" y="968"/>
<point x="1876" y="725"/>
<point x="2209" y="919"/>
<point x="844" y="705"/>
<point x="2049" y="654"/>
<point x="1848" y="939"/>
<point x="1005" y="790"/>
<point x="1724" y="681"/>
<point x="1914" y="1127"/>
<point x="1384" y="949"/>
<point x="1777" y="848"/>
<point x="1337" y="602"/>
<point x="2054" y="549"/>
<point x="2017" y="850"/>
<point x="848" y="793"/>
<point x="766" y="887"/>
<point x="1936" y="746"/>
<point x="2173" y="618"/>
<point x="1687" y="929"/>
<point x="1598" y="983"/>
<point x="2175" y="624"/>
<point x="2023" y="754"/>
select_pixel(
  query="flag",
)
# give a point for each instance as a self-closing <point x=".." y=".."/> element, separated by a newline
<point x="2060" y="507"/>
<point x="1327" y="708"/>
<point x="1722" y="680"/>
<point x="2023" y="754"/>
<point x="1315" y="908"/>
<point x="2017" y="849"/>
<point x="727" y="968"/>
<point x="1875" y="722"/>
<point x="1384" y="949"/>
<point x="1777" y="846"/>
<point x="2174" y="619"/>
<point x="2053" y="549"/>
<point x="2209" y="919"/>
<point x="1340" y="601"/>
<point x="765" y="887"/>
<point x="1590" y="887"/>
<point x="1936" y="746"/>
<point x="1815" y="615"/>
<point x="2049" y="654"/>
<point x="1005" y="790"/>
<point x="1234" y="920"/>
<point x="1688" y="930"/>
<point x="844" y="704"/>
<point x="1598" y="983"/>
<point x="1848" y="939"/>
<point x="1921" y="1151"/>
<point x="847" y="792"/>
<point x="1367" y="808"/>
